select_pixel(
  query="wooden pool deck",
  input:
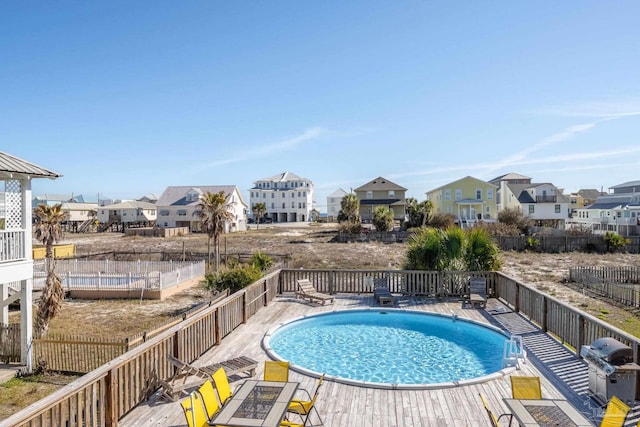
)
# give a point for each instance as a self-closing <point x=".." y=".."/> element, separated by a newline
<point x="562" y="374"/>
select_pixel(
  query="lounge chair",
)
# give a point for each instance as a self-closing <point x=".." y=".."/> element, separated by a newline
<point x="307" y="291"/>
<point x="615" y="414"/>
<point x="524" y="387"/>
<point x="477" y="292"/>
<point x="382" y="293"/>
<point x="304" y="407"/>
<point x="495" y="421"/>
<point x="174" y="386"/>
<point x="276" y="370"/>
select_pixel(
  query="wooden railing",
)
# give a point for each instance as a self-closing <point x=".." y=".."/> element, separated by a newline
<point x="12" y="245"/>
<point x="103" y="396"/>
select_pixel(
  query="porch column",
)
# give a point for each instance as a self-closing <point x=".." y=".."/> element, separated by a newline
<point x="26" y="286"/>
<point x="4" y="295"/>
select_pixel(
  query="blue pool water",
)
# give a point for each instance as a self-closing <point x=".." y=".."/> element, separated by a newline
<point x="389" y="346"/>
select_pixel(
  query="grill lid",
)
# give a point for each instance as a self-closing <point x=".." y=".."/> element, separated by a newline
<point x="612" y="351"/>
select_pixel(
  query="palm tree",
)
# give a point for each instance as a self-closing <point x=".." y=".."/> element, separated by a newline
<point x="48" y="231"/>
<point x="350" y="206"/>
<point x="382" y="218"/>
<point x="214" y="212"/>
<point x="258" y="209"/>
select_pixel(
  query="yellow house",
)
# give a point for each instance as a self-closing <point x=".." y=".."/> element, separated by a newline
<point x="468" y="199"/>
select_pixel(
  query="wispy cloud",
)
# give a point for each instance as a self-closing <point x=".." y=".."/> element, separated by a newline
<point x="601" y="110"/>
<point x="308" y="135"/>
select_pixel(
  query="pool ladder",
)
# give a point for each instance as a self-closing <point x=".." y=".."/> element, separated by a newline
<point x="513" y="352"/>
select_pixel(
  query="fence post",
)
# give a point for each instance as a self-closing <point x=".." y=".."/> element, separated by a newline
<point x="68" y="281"/>
<point x="517" y="302"/>
<point x="331" y="280"/>
<point x="111" y="395"/>
<point x="217" y="326"/>
<point x="545" y="313"/>
<point x="581" y="338"/>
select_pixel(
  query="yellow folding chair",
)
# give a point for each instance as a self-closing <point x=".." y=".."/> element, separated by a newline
<point x="209" y="399"/>
<point x="526" y="387"/>
<point x="276" y="370"/>
<point x="304" y="407"/>
<point x="495" y="421"/>
<point x="194" y="411"/>
<point x="615" y="414"/>
<point x="222" y="385"/>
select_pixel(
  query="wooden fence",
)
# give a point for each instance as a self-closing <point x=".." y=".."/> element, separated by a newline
<point x="566" y="243"/>
<point x="10" y="343"/>
<point x="619" y="284"/>
<point x="104" y="395"/>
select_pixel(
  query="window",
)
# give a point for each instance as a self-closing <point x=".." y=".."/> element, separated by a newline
<point x="478" y="194"/>
<point x="304" y="205"/>
<point x="557" y="207"/>
<point x="304" y="194"/>
<point x="458" y="194"/>
<point x="273" y="205"/>
<point x="282" y="194"/>
<point x="332" y="200"/>
<point x="299" y="194"/>
<point x="293" y="205"/>
<point x="449" y="209"/>
<point x="299" y="205"/>
<point x="532" y="209"/>
<point x="283" y="207"/>
<point x="293" y="195"/>
<point x="182" y="212"/>
<point x="369" y="195"/>
<point x="164" y="212"/>
<point x="489" y="193"/>
<point x="447" y="194"/>
<point x="392" y="194"/>
<point x="273" y="195"/>
<point x="488" y="209"/>
<point x="264" y="195"/>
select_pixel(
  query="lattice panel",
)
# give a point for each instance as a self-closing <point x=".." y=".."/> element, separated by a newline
<point x="13" y="205"/>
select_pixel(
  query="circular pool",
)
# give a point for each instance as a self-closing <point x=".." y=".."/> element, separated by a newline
<point x="390" y="348"/>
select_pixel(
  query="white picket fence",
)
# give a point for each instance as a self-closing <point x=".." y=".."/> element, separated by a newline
<point x="119" y="275"/>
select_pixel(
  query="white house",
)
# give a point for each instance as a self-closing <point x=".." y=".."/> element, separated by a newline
<point x="618" y="212"/>
<point x="334" y="204"/>
<point x="542" y="202"/>
<point x="123" y="214"/>
<point x="177" y="204"/>
<point x="288" y="197"/>
<point x="16" y="259"/>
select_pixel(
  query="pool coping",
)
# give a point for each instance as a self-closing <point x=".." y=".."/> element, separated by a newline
<point x="388" y="386"/>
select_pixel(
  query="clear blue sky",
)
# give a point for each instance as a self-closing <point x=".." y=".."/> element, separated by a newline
<point x="125" y="98"/>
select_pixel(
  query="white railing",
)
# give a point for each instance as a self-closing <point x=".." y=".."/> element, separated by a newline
<point x="12" y="245"/>
<point x="87" y="275"/>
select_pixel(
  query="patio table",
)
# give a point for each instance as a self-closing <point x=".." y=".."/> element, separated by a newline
<point x="257" y="404"/>
<point x="546" y="412"/>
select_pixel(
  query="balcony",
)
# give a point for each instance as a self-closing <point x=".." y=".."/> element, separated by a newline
<point x="12" y="245"/>
<point x="546" y="199"/>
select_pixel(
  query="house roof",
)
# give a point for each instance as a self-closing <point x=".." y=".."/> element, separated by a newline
<point x="54" y="197"/>
<point x="627" y="184"/>
<point x="458" y="180"/>
<point x="509" y="176"/>
<point x="283" y="177"/>
<point x="338" y="193"/>
<point x="176" y="195"/>
<point x="380" y="184"/>
<point x="130" y="204"/>
<point x="590" y="193"/>
<point x="613" y="201"/>
<point x="79" y="206"/>
<point x="10" y="165"/>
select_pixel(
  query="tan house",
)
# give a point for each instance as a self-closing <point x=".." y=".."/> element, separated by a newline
<point x="381" y="192"/>
<point x="121" y="215"/>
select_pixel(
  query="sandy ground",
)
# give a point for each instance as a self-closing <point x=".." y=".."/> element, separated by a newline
<point x="309" y="247"/>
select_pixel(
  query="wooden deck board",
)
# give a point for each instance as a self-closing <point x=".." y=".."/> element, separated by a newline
<point x="563" y="375"/>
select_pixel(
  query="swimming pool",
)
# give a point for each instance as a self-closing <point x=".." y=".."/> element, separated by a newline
<point x="390" y="348"/>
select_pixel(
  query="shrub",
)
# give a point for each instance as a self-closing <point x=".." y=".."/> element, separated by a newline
<point x="615" y="241"/>
<point x="261" y="261"/>
<point x="515" y="218"/>
<point x="234" y="279"/>
<point x="441" y="221"/>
